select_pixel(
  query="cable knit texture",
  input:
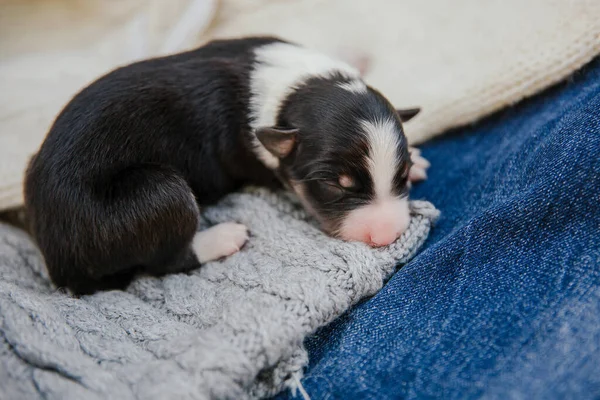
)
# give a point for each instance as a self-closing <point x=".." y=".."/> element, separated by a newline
<point x="232" y="329"/>
<point x="459" y="60"/>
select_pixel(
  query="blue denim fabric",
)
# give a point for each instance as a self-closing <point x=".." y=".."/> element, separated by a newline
<point x="504" y="300"/>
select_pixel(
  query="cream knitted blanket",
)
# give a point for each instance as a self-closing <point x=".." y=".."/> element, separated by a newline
<point x="459" y="60"/>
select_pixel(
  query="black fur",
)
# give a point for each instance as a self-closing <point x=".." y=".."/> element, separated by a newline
<point x="111" y="189"/>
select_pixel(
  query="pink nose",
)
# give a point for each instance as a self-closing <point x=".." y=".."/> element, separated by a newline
<point x="377" y="224"/>
<point x="383" y="237"/>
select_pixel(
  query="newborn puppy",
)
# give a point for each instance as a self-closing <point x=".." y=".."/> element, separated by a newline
<point x="116" y="186"/>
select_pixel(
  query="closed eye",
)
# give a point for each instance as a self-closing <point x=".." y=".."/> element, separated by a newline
<point x="331" y="190"/>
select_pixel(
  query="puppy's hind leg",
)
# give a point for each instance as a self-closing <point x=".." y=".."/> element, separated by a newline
<point x="211" y="244"/>
<point x="219" y="241"/>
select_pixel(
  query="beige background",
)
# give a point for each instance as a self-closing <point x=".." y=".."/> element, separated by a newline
<point x="459" y="60"/>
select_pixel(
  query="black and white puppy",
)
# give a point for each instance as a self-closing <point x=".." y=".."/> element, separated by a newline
<point x="116" y="186"/>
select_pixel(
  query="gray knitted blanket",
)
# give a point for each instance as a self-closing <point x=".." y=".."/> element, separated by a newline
<point x="232" y="329"/>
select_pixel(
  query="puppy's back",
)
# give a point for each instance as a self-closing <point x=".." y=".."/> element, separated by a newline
<point x="113" y="187"/>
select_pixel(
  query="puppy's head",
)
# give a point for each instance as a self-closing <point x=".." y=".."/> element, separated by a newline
<point x="342" y="150"/>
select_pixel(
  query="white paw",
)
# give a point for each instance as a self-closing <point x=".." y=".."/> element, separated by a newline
<point x="219" y="241"/>
<point x="418" y="171"/>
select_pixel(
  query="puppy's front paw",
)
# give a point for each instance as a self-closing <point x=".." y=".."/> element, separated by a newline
<point x="219" y="241"/>
<point x="418" y="171"/>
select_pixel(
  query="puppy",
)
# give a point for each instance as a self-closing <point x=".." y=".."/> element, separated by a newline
<point x="116" y="186"/>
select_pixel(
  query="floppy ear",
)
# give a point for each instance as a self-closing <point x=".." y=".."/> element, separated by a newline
<point x="408" y="113"/>
<point x="279" y="141"/>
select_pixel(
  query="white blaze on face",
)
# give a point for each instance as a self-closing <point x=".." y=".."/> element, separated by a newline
<point x="383" y="220"/>
<point x="279" y="69"/>
<point x="383" y="139"/>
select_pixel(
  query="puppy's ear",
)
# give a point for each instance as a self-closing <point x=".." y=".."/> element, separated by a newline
<point x="407" y="114"/>
<point x="279" y="141"/>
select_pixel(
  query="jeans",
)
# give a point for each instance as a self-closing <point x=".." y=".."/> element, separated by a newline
<point x="503" y="302"/>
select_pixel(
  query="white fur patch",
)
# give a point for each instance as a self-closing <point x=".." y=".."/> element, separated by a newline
<point x="354" y="86"/>
<point x="219" y="241"/>
<point x="383" y="155"/>
<point x="280" y="68"/>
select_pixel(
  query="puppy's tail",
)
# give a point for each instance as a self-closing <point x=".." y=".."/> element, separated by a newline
<point x="97" y="235"/>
